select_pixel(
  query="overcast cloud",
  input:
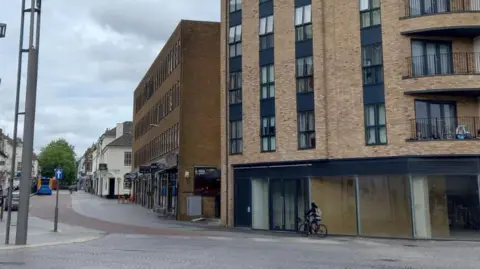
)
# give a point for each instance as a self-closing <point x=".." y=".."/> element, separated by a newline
<point x="93" y="54"/>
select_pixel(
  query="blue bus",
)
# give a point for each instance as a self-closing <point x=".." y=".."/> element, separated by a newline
<point x="44" y="186"/>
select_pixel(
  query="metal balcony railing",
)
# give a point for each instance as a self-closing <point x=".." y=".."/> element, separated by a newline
<point x="416" y="8"/>
<point x="455" y="128"/>
<point x="457" y="63"/>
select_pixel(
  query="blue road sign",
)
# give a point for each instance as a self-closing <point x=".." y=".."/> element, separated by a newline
<point x="59" y="173"/>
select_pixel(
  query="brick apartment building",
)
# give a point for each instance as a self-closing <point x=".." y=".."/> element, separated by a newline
<point x="176" y="150"/>
<point x="369" y="108"/>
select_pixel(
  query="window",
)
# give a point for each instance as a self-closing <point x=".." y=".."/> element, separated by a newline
<point x="266" y="32"/>
<point x="431" y="58"/>
<point x="305" y="74"/>
<point x="424" y="7"/>
<point x="19" y="166"/>
<point x="235" y="88"/>
<point x="268" y="134"/>
<point x="235" y="41"/>
<point x="236" y="137"/>
<point x="375" y="124"/>
<point x="267" y="81"/>
<point x="369" y="13"/>
<point x="235" y="5"/>
<point x="372" y="64"/>
<point x="303" y="23"/>
<point x="127" y="158"/>
<point x="438" y="120"/>
<point x="306" y="130"/>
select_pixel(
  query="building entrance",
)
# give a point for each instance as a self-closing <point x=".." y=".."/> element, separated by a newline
<point x="288" y="202"/>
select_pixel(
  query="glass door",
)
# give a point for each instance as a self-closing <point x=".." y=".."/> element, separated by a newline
<point x="288" y="202"/>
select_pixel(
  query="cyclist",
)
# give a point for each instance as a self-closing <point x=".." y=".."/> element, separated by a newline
<point x="314" y="216"/>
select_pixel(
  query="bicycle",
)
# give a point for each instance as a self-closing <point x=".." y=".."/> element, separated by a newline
<point x="306" y="227"/>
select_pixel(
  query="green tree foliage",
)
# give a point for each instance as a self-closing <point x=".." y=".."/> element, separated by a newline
<point x="58" y="154"/>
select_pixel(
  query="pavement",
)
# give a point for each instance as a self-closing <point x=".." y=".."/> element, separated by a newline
<point x="98" y="233"/>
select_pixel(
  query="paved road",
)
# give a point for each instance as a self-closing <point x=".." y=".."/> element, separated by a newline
<point x="146" y="251"/>
<point x="136" y="244"/>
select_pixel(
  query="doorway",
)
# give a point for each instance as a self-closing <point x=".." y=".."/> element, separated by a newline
<point x="111" y="188"/>
<point x="288" y="203"/>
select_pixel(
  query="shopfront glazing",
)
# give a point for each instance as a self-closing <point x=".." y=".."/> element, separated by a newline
<point x="394" y="206"/>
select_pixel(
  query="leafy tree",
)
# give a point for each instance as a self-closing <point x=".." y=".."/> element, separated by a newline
<point x="58" y="154"/>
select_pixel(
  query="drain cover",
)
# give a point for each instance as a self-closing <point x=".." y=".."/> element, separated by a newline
<point x="12" y="263"/>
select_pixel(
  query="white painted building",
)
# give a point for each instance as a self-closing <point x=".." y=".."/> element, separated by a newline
<point x="113" y="148"/>
<point x="6" y="160"/>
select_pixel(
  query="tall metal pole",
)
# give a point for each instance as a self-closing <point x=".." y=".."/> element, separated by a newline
<point x="55" y="222"/>
<point x="29" y="129"/>
<point x="15" y="125"/>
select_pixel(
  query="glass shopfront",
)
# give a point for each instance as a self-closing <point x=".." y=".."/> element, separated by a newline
<point x="397" y="206"/>
<point x="167" y="194"/>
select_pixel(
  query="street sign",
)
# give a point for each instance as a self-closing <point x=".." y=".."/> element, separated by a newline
<point x="59" y="173"/>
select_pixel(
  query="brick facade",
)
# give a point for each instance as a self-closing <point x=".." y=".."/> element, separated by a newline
<point x="196" y="116"/>
<point x="339" y="113"/>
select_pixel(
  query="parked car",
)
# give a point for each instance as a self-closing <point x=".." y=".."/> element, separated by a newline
<point x="15" y="199"/>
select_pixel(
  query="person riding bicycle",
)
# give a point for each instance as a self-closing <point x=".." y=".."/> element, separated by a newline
<point x="314" y="215"/>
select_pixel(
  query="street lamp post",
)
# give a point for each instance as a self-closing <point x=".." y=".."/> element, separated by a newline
<point x="29" y="123"/>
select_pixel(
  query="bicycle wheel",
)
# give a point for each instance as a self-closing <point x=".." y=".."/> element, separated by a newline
<point x="322" y="230"/>
<point x="303" y="229"/>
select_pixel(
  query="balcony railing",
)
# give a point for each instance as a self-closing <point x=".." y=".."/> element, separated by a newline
<point x="457" y="128"/>
<point x="457" y="63"/>
<point x="416" y="8"/>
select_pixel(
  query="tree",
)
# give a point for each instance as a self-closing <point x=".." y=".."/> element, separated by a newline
<point x="58" y="154"/>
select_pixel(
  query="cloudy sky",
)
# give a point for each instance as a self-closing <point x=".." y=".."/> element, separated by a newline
<point x="93" y="54"/>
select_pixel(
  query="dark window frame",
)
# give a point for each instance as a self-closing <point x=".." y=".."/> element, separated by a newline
<point x="305" y="77"/>
<point x="369" y="13"/>
<point x="308" y="133"/>
<point x="236" y="4"/>
<point x="235" y="137"/>
<point x="371" y="66"/>
<point x="267" y="86"/>
<point x="235" y="42"/>
<point x="268" y="131"/>
<point x="377" y="126"/>
<point x="438" y="58"/>
<point x="235" y="88"/>
<point x="266" y="34"/>
<point x="303" y="29"/>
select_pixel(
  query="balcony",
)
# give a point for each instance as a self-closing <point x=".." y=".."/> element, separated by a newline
<point x="455" y="128"/>
<point x="442" y="64"/>
<point x="441" y="17"/>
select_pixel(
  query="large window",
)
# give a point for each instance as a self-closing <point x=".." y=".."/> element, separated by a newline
<point x="235" y="88"/>
<point x="267" y="81"/>
<point x="235" y="5"/>
<point x="438" y="120"/>
<point x="268" y="134"/>
<point x="266" y="32"/>
<point x="425" y="7"/>
<point x="369" y="13"/>
<point x="127" y="158"/>
<point x="236" y="137"/>
<point x="305" y="74"/>
<point x="303" y="23"/>
<point x="235" y="41"/>
<point x="431" y="58"/>
<point x="372" y="64"/>
<point x="306" y="130"/>
<point x="375" y="124"/>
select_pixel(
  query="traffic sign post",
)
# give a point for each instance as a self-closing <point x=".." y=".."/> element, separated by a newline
<point x="58" y="177"/>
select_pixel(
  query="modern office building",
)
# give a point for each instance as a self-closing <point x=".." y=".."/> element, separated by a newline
<point x="369" y="108"/>
<point x="177" y="125"/>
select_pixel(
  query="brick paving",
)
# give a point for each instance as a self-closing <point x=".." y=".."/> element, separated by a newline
<point x="43" y="207"/>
